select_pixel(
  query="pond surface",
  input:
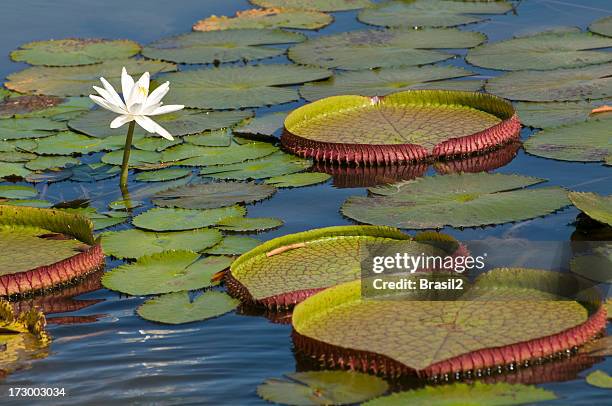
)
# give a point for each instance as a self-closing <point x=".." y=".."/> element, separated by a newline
<point x="121" y="358"/>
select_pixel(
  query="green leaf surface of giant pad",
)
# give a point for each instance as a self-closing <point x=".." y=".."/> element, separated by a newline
<point x="276" y="164"/>
<point x="322" y="388"/>
<point x="462" y="394"/>
<point x="380" y="82"/>
<point x="430" y="13"/>
<point x="319" y="5"/>
<point x="168" y="219"/>
<point x="276" y="271"/>
<point x="367" y="49"/>
<point x="74" y="51"/>
<point x="163" y="175"/>
<point x="212" y="195"/>
<point x="266" y="124"/>
<point x="20" y="128"/>
<point x="298" y="179"/>
<point x="221" y="46"/>
<point x="194" y="155"/>
<point x="56" y="108"/>
<point x="233" y="245"/>
<point x="176" y="308"/>
<point x="554" y="114"/>
<point x="165" y="272"/>
<point x="543" y="51"/>
<point x="456" y="200"/>
<point x="589" y="141"/>
<point x="595" y="206"/>
<point x="136" y="243"/>
<point x="599" y="379"/>
<point x="183" y="122"/>
<point x="266" y="18"/>
<point x="591" y="82"/>
<point x="77" y="80"/>
<point x="501" y="309"/>
<point x="239" y="86"/>
<point x="243" y="224"/>
<point x="603" y="26"/>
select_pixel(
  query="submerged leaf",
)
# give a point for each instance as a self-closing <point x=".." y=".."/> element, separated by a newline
<point x="430" y="13"/>
<point x="77" y="80"/>
<point x="136" y="243"/>
<point x="457" y="200"/>
<point x="165" y="272"/>
<point x="266" y="18"/>
<point x="543" y="51"/>
<point x="276" y="164"/>
<point x="166" y="219"/>
<point x="176" y="308"/>
<point x="211" y="195"/>
<point x="221" y="46"/>
<point x="461" y="394"/>
<point x="366" y="49"/>
<point x="239" y="86"/>
<point x="298" y="179"/>
<point x="322" y="388"/>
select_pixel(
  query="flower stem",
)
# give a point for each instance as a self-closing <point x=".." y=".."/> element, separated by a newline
<point x="126" y="155"/>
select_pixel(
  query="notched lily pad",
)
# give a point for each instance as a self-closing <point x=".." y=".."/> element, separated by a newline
<point x="599" y="379"/>
<point x="166" y="219"/>
<point x="233" y="245"/>
<point x="554" y="114"/>
<point x="35" y="127"/>
<point x="603" y="26"/>
<point x="190" y="155"/>
<point x="212" y="195"/>
<point x="165" y="272"/>
<point x="177" y="308"/>
<point x="240" y="86"/>
<point x="456" y="200"/>
<point x="56" y="108"/>
<point x="276" y="164"/>
<point x="322" y="388"/>
<point x="17" y="192"/>
<point x="136" y="243"/>
<point x="593" y="205"/>
<point x="74" y="51"/>
<point x="266" y="125"/>
<point x="243" y="224"/>
<point x="368" y="49"/>
<point x="266" y="18"/>
<point x="320" y="5"/>
<point x="163" y="175"/>
<point x="298" y="179"/>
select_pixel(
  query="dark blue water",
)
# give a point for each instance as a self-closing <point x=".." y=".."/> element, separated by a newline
<point x="121" y="358"/>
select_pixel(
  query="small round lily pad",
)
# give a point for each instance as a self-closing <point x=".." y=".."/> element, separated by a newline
<point x="163" y="175"/>
<point x="593" y="205"/>
<point x="322" y="388"/>
<point x="405" y="126"/>
<point x="233" y="245"/>
<point x="599" y="379"/>
<point x="212" y="195"/>
<point x="266" y="18"/>
<point x="266" y="124"/>
<point x="74" y="51"/>
<point x="276" y="164"/>
<point x="603" y="26"/>
<point x="166" y="219"/>
<point x="177" y="308"/>
<point x="298" y="179"/>
<point x="320" y="5"/>
<point x="17" y="192"/>
<point x="243" y="224"/>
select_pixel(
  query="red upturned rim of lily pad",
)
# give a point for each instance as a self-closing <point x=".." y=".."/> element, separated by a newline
<point x="507" y="130"/>
<point x="90" y="259"/>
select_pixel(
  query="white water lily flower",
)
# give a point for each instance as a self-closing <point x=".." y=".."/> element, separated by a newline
<point x="137" y="104"/>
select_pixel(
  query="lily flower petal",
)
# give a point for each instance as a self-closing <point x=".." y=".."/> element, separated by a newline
<point x="121" y="120"/>
<point x="115" y="98"/>
<point x="152" y="127"/>
<point x="158" y="94"/>
<point x="127" y="83"/>
<point x="103" y="103"/>
<point x="166" y="109"/>
<point x="140" y="91"/>
<point x="108" y="98"/>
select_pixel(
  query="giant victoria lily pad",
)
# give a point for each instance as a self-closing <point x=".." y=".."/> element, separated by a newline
<point x="165" y="272"/>
<point x="507" y="316"/>
<point x="543" y="51"/>
<point x="457" y="200"/>
<point x="23" y="337"/>
<point x="183" y="122"/>
<point x="240" y="86"/>
<point x="589" y="141"/>
<point x="266" y="18"/>
<point x="221" y="46"/>
<point x="212" y="195"/>
<point x="591" y="82"/>
<point x="383" y="81"/>
<point x="286" y="270"/>
<point x="430" y="13"/>
<point x="77" y="80"/>
<point x="405" y="126"/>
<point x="74" y="51"/>
<point x="375" y="48"/>
<point x="46" y="248"/>
<point x="320" y="5"/>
